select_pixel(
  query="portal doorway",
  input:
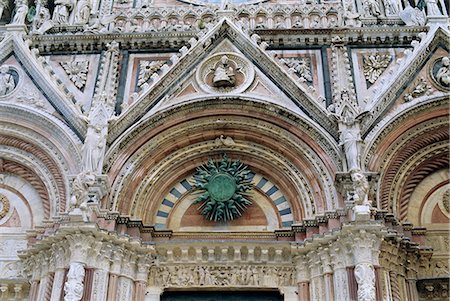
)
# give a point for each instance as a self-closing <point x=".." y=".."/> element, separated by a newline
<point x="221" y="296"/>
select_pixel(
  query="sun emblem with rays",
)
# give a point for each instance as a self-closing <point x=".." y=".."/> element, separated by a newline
<point x="224" y="187"/>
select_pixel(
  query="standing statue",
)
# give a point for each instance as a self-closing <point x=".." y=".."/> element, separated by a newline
<point x="349" y="139"/>
<point x="62" y="11"/>
<point x="371" y="8"/>
<point x="7" y="83"/>
<point x="93" y="149"/>
<point x="4" y="4"/>
<point x="21" y="12"/>
<point x="73" y="288"/>
<point x="42" y="21"/>
<point x="433" y="8"/>
<point x="224" y="75"/>
<point x="82" y="12"/>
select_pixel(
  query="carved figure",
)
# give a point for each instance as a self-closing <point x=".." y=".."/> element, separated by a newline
<point x="62" y="11"/>
<point x="224" y="75"/>
<point x="4" y="4"/>
<point x="361" y="188"/>
<point x="42" y="21"/>
<point x="21" y="12"/>
<point x="80" y="188"/>
<point x="94" y="148"/>
<point x="7" y="83"/>
<point x="371" y="8"/>
<point x="351" y="17"/>
<point x="391" y="7"/>
<point x="433" y="8"/>
<point x="365" y="277"/>
<point x="73" y="288"/>
<point x="82" y="12"/>
<point x="349" y="139"/>
<point x="297" y="23"/>
<point x="443" y="74"/>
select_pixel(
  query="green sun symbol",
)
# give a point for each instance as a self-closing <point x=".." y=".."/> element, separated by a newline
<point x="224" y="187"/>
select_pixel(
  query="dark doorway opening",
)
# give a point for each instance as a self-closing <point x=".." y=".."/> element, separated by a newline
<point x="221" y="296"/>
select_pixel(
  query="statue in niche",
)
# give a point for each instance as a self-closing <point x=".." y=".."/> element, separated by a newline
<point x="21" y="12"/>
<point x="443" y="74"/>
<point x="7" y="83"/>
<point x="224" y="75"/>
<point x="62" y="11"/>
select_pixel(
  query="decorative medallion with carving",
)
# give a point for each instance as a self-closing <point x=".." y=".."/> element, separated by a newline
<point x="440" y="72"/>
<point x="446" y="201"/>
<point x="4" y="206"/>
<point x="374" y="66"/>
<point x="77" y="72"/>
<point x="224" y="187"/>
<point x="9" y="79"/>
<point x="225" y="73"/>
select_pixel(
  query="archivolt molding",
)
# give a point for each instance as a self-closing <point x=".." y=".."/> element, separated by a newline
<point x="222" y="106"/>
<point x="403" y="115"/>
<point x="302" y="186"/>
<point x="409" y="174"/>
<point x="210" y="129"/>
<point x="28" y="125"/>
<point x="34" y="164"/>
<point x="191" y="153"/>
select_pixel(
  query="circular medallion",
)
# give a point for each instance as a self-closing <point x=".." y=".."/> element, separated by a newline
<point x="440" y="72"/>
<point x="9" y="79"/>
<point x="221" y="187"/>
<point x="225" y="72"/>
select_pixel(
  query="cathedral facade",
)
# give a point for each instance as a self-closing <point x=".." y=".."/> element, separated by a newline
<point x="239" y="150"/>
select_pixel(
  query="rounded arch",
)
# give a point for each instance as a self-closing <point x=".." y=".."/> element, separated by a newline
<point x="42" y="150"/>
<point x="405" y="148"/>
<point x="162" y="149"/>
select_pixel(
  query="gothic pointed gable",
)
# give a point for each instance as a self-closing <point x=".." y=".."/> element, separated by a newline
<point x="182" y="67"/>
<point x="401" y="83"/>
<point x="45" y="90"/>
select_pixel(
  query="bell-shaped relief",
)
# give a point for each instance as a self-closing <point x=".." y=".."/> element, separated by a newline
<point x="9" y="79"/>
<point x="225" y="73"/>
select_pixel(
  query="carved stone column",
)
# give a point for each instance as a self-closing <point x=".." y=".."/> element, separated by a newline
<point x="101" y="274"/>
<point x="327" y="274"/>
<point x="302" y="277"/>
<point x="143" y="267"/>
<point x="340" y="280"/>
<point x="125" y="289"/>
<point x="114" y="274"/>
<point x="364" y="244"/>
<point x="74" y="286"/>
<point x="60" y="271"/>
<point x="316" y="284"/>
